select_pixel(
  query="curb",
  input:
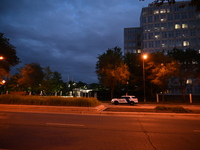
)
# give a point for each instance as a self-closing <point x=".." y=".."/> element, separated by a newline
<point x="99" y="110"/>
<point x="36" y="108"/>
<point x="147" y="113"/>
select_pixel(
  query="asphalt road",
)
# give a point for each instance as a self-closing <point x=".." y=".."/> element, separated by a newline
<point x="48" y="131"/>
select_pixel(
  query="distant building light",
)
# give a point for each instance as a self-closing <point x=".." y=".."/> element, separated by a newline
<point x="189" y="81"/>
<point x="168" y="10"/>
<point x="162" y="11"/>
<point x="184" y="26"/>
<point x="156" y="11"/>
<point x="186" y="43"/>
<point x="163" y="45"/>
<point x="177" y="26"/>
<point x="156" y="36"/>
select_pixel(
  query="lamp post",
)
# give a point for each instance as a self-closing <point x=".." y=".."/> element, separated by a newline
<point x="1" y="58"/>
<point x="144" y="57"/>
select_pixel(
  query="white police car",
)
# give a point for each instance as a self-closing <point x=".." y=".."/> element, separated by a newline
<point x="126" y="99"/>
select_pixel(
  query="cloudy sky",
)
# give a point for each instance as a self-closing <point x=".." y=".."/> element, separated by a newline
<point x="67" y="35"/>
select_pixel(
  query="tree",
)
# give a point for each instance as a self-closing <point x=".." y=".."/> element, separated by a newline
<point x="57" y="82"/>
<point x="160" y="2"/>
<point x="30" y="76"/>
<point x="195" y="3"/>
<point x="111" y="69"/>
<point x="189" y="66"/>
<point x="47" y="83"/>
<point x="162" y="68"/>
<point x="8" y="56"/>
<point x="81" y="85"/>
<point x="133" y="61"/>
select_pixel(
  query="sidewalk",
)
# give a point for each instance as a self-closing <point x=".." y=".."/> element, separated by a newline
<point x="140" y="109"/>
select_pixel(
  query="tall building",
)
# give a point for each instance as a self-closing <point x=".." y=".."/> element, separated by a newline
<point x="132" y="40"/>
<point x="163" y="28"/>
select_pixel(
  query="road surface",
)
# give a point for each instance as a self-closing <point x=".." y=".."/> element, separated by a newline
<point x="49" y="131"/>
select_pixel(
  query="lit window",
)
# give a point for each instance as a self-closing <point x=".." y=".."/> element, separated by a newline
<point x="156" y="36"/>
<point x="139" y="51"/>
<point x="156" y="11"/>
<point x="164" y="43"/>
<point x="168" y="10"/>
<point x="184" y="26"/>
<point x="162" y="11"/>
<point x="199" y="51"/>
<point x="189" y="81"/>
<point x="177" y="26"/>
<point x="162" y="28"/>
<point x="163" y="19"/>
<point x="186" y="43"/>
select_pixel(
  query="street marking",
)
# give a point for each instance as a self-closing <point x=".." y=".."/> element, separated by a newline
<point x="61" y="124"/>
<point x="196" y="130"/>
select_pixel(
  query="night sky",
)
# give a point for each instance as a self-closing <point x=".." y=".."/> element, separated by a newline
<point x="67" y="35"/>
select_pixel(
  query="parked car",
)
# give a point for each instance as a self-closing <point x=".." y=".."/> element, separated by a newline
<point x="126" y="99"/>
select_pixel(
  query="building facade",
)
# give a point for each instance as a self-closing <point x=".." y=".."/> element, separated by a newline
<point x="163" y="28"/>
<point x="132" y="40"/>
<point x="169" y="26"/>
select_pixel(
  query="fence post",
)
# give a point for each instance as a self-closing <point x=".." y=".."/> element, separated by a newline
<point x="190" y="98"/>
<point x="157" y="98"/>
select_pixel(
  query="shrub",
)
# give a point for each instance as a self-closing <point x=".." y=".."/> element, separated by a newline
<point x="176" y="109"/>
<point x="49" y="100"/>
<point x="179" y="109"/>
<point x="161" y="108"/>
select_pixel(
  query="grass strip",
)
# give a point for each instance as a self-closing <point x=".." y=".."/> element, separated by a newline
<point x="49" y="100"/>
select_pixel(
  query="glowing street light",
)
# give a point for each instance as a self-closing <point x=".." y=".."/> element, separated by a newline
<point x="2" y="82"/>
<point x="1" y="58"/>
<point x="144" y="57"/>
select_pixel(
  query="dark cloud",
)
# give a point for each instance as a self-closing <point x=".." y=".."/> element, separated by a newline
<point x="67" y="35"/>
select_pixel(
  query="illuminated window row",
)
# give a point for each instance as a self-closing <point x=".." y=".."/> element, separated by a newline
<point x="166" y="9"/>
<point x="132" y="51"/>
<point x="165" y="43"/>
<point x="169" y="34"/>
<point x="178" y="26"/>
<point x="170" y="17"/>
<point x="165" y="26"/>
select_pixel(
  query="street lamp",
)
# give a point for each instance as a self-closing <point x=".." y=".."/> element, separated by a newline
<point x="144" y="57"/>
<point x="3" y="81"/>
<point x="1" y="58"/>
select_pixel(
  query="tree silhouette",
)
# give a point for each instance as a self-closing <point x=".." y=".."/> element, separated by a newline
<point x="161" y="68"/>
<point x="189" y="66"/>
<point x="30" y="76"/>
<point x="195" y="3"/>
<point x="111" y="69"/>
<point x="8" y="56"/>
